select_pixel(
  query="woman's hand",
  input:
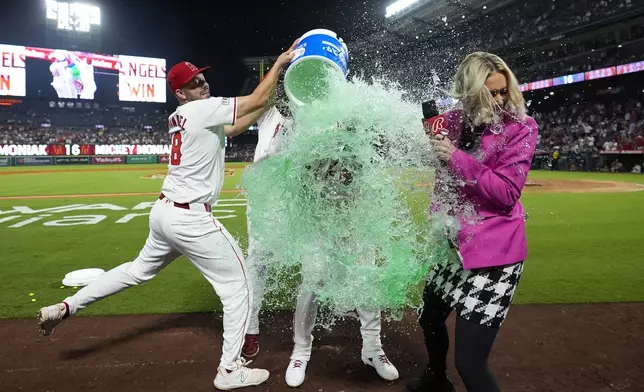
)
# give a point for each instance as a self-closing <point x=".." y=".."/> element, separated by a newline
<point x="443" y="147"/>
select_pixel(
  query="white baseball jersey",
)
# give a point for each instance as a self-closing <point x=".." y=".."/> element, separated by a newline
<point x="272" y="126"/>
<point x="197" y="156"/>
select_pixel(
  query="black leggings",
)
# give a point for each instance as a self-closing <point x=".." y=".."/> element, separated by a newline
<point x="473" y="343"/>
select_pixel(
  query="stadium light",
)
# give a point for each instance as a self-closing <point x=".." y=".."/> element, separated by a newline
<point x="73" y="16"/>
<point x="398" y="6"/>
<point x="52" y="9"/>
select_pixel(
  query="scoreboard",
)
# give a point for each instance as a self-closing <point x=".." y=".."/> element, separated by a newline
<point x="59" y="73"/>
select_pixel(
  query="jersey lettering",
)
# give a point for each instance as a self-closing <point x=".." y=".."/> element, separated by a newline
<point x="177" y="122"/>
<point x="175" y="152"/>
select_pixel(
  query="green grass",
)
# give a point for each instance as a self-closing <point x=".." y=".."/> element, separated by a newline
<point x="38" y="257"/>
<point x="561" y="175"/>
<point x="582" y="247"/>
<point x="69" y="180"/>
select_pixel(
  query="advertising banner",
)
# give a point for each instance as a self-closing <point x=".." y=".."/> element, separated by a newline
<point x="107" y="160"/>
<point x="142" y="79"/>
<point x="33" y="161"/>
<point x="12" y="70"/>
<point x="141" y="159"/>
<point x="28" y="150"/>
<point x="73" y="160"/>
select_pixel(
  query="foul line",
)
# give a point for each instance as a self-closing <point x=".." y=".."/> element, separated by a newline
<point x="93" y="195"/>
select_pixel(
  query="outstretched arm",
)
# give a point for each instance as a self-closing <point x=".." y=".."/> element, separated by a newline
<point x="242" y="124"/>
<point x="255" y="101"/>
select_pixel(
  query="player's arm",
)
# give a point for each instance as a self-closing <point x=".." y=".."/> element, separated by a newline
<point x="258" y="99"/>
<point x="242" y="124"/>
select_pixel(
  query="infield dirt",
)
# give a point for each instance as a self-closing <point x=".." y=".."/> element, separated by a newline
<point x="591" y="347"/>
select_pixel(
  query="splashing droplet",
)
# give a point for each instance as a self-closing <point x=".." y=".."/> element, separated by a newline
<point x="339" y="208"/>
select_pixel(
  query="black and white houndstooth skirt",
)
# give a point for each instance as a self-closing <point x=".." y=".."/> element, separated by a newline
<point x="482" y="296"/>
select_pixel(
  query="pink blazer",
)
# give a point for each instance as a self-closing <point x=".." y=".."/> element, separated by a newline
<point x="493" y="184"/>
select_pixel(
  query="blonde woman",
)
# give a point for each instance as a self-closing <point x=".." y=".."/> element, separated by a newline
<point x="486" y="153"/>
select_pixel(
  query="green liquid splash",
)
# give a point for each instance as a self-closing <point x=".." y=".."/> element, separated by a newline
<point x="341" y="210"/>
<point x="308" y="80"/>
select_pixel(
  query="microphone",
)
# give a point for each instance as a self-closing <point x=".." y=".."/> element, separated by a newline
<point x="433" y="122"/>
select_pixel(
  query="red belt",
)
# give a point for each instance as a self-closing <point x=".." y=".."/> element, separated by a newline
<point x="186" y="206"/>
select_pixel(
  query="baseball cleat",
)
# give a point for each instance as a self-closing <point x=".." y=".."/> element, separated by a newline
<point x="241" y="377"/>
<point x="383" y="367"/>
<point x="251" y="346"/>
<point x="295" y="373"/>
<point x="430" y="381"/>
<point x="50" y="316"/>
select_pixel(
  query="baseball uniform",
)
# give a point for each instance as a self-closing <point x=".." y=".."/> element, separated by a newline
<point x="272" y="128"/>
<point x="306" y="308"/>
<point x="181" y="222"/>
<point x="270" y="142"/>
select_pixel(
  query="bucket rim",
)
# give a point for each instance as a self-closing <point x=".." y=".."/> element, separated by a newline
<point x="316" y="57"/>
<point x="320" y="31"/>
<point x="311" y="57"/>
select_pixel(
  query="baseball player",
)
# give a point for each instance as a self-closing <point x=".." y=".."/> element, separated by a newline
<point x="336" y="177"/>
<point x="273" y="125"/>
<point x="62" y="80"/>
<point x="181" y="221"/>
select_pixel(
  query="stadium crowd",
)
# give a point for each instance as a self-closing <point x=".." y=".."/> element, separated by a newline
<point x="34" y="134"/>
<point x="97" y="126"/>
<point x="574" y="133"/>
<point x="579" y="134"/>
<point x="580" y="55"/>
<point x="616" y="127"/>
<point x="577" y="131"/>
<point x="531" y="20"/>
<point x="539" y="39"/>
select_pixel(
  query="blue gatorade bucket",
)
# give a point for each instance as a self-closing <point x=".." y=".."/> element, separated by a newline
<point x="319" y="55"/>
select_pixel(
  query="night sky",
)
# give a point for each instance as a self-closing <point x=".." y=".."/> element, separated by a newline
<point x="205" y="33"/>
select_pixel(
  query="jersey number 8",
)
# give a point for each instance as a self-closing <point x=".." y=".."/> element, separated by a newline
<point x="175" y="152"/>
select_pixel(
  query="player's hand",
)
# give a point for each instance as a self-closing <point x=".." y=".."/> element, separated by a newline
<point x="443" y="147"/>
<point x="288" y="55"/>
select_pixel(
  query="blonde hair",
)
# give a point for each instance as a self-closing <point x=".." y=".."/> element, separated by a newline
<point x="469" y="88"/>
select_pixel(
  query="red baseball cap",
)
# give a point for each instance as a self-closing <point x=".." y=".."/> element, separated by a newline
<point x="182" y="73"/>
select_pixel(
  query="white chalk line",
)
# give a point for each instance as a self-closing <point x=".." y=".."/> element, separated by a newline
<point x="92" y="195"/>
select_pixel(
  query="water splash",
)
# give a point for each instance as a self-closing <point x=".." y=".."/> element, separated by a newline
<point x="341" y="209"/>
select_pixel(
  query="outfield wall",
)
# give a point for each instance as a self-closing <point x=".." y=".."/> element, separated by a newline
<point x="83" y="160"/>
<point x="84" y="154"/>
<point x="542" y="160"/>
<point x="588" y="161"/>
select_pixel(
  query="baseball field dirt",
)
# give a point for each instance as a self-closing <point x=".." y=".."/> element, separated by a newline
<point x="541" y="186"/>
<point x="573" y="186"/>
<point x="590" y="347"/>
<point x="580" y="186"/>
